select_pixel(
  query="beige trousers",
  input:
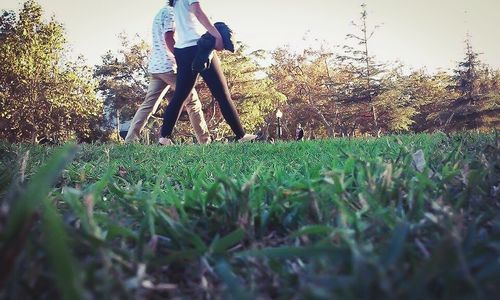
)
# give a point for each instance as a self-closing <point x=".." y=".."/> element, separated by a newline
<point x="158" y="87"/>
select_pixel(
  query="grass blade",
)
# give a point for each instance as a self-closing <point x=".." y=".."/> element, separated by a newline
<point x="22" y="216"/>
<point x="58" y="249"/>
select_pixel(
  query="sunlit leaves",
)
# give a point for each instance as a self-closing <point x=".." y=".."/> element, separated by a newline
<point x="44" y="96"/>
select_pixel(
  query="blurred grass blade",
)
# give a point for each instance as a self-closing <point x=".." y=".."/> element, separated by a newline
<point x="115" y="231"/>
<point x="313" y="230"/>
<point x="59" y="253"/>
<point x="396" y="246"/>
<point x="22" y="215"/>
<point x="72" y="197"/>
<point x="219" y="246"/>
<point x="38" y="189"/>
<point x="195" y="240"/>
<point x="186" y="255"/>
<point x="5" y="177"/>
<point x="223" y="270"/>
<point x="293" y="252"/>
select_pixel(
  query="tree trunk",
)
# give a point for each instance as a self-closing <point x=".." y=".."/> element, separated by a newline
<point x="118" y="124"/>
<point x="375" y="118"/>
<point x="329" y="128"/>
<point x="368" y="74"/>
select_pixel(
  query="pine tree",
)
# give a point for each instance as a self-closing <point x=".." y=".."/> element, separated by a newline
<point x="466" y="75"/>
<point x="366" y="72"/>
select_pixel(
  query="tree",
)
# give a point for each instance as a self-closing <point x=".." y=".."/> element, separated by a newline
<point x="410" y="102"/>
<point x="123" y="80"/>
<point x="44" y="97"/>
<point x="466" y="75"/>
<point x="478" y="105"/>
<point x="253" y="92"/>
<point x="306" y="81"/>
<point x="398" y="103"/>
<point x="366" y="72"/>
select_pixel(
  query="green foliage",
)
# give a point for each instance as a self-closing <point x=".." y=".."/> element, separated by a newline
<point x="466" y="75"/>
<point x="255" y="96"/>
<point x="123" y="79"/>
<point x="306" y="80"/>
<point x="350" y="93"/>
<point x="43" y="96"/>
<point x="329" y="219"/>
<point x="404" y="104"/>
<point x="365" y="71"/>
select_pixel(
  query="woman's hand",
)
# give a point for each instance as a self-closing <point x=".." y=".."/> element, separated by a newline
<point x="202" y="17"/>
<point x="219" y="44"/>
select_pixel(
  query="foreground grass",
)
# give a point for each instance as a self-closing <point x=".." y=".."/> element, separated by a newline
<point x="370" y="218"/>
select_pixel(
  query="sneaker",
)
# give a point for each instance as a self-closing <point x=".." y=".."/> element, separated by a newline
<point x="204" y="139"/>
<point x="247" y="138"/>
<point x="207" y="142"/>
<point x="165" y="142"/>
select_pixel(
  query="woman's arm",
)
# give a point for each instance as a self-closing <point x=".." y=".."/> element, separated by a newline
<point x="202" y="17"/>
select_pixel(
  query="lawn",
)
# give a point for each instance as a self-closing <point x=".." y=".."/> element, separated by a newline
<point x="413" y="216"/>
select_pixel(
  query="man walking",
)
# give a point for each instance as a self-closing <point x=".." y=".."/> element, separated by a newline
<point x="162" y="77"/>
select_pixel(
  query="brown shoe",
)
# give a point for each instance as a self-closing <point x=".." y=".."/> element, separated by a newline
<point x="165" y="142"/>
<point x="207" y="142"/>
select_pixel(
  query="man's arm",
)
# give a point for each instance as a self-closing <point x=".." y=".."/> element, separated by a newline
<point x="169" y="39"/>
<point x="202" y="17"/>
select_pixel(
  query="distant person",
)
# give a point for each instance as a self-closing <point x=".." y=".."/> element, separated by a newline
<point x="189" y="21"/>
<point x="162" y="77"/>
<point x="263" y="134"/>
<point x="299" y="133"/>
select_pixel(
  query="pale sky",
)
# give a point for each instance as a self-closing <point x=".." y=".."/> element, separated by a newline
<point x="420" y="33"/>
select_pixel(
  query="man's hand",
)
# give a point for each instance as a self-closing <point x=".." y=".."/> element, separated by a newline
<point x="169" y="40"/>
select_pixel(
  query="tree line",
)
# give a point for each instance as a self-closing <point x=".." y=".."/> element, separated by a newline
<point x="47" y="97"/>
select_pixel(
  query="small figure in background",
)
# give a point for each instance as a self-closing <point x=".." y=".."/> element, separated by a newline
<point x="299" y="133"/>
<point x="263" y="133"/>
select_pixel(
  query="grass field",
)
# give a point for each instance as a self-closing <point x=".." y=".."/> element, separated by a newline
<point x="414" y="217"/>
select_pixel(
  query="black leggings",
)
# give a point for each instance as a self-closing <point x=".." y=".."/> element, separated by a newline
<point x="186" y="80"/>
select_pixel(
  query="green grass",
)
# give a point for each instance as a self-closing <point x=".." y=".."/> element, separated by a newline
<point x="320" y="219"/>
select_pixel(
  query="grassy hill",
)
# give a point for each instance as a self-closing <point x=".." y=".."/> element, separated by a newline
<point x="397" y="217"/>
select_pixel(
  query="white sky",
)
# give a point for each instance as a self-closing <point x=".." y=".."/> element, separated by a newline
<point x="420" y="33"/>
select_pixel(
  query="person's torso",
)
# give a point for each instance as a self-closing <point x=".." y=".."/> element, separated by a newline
<point x="188" y="28"/>
<point x="161" y="60"/>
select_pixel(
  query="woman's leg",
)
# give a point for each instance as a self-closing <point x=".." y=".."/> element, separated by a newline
<point x="216" y="82"/>
<point x="184" y="85"/>
<point x="194" y="110"/>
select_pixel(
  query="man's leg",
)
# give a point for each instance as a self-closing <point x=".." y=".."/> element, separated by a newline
<point x="197" y="118"/>
<point x="156" y="90"/>
<point x="194" y="110"/>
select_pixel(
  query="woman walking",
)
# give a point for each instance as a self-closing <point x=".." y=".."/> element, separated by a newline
<point x="189" y="22"/>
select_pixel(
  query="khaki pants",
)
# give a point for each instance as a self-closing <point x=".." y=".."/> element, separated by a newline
<point x="158" y="87"/>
